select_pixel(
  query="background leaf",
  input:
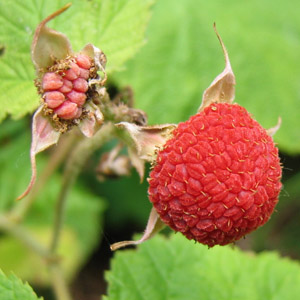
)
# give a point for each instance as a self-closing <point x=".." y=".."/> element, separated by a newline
<point x="128" y="200"/>
<point x="183" y="56"/>
<point x="168" y="76"/>
<point x="12" y="288"/>
<point x="83" y="219"/>
<point x="176" y="268"/>
<point x="117" y="27"/>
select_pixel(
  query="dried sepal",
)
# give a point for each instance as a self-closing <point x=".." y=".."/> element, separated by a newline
<point x="43" y="136"/>
<point x="271" y="131"/>
<point x="113" y="164"/>
<point x="49" y="45"/>
<point x="147" y="139"/>
<point x="92" y="121"/>
<point x="99" y="59"/>
<point x="154" y="225"/>
<point x="137" y="162"/>
<point x="222" y="88"/>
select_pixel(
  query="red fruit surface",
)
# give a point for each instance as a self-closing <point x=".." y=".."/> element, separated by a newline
<point x="54" y="99"/>
<point x="51" y="81"/>
<point x="83" y="61"/>
<point x="85" y="74"/>
<point x="68" y="110"/>
<point x="76" y="97"/>
<point x="218" y="177"/>
<point x="64" y="90"/>
<point x="72" y="73"/>
<point x="80" y="85"/>
<point x="66" y="87"/>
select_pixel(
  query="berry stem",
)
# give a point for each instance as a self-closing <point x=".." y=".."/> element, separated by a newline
<point x="58" y="282"/>
<point x="73" y="166"/>
<point x="116" y="112"/>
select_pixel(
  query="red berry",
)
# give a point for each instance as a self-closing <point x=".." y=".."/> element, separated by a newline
<point x="67" y="86"/>
<point x="85" y="74"/>
<point x="80" y="85"/>
<point x="68" y="110"/>
<point x="76" y="97"/>
<point x="218" y="177"/>
<point x="83" y="61"/>
<point x="51" y="81"/>
<point x="72" y="73"/>
<point x="54" y="99"/>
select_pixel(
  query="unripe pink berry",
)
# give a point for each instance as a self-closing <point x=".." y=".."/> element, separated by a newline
<point x="67" y="86"/>
<point x="54" y="99"/>
<point x="80" y="85"/>
<point x="85" y="74"/>
<point x="72" y="73"/>
<point x="64" y="90"/>
<point x="51" y="81"/>
<point x="83" y="61"/>
<point x="76" y="97"/>
<point x="68" y="110"/>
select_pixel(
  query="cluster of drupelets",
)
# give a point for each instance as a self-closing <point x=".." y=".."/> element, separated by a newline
<point x="218" y="178"/>
<point x="64" y="89"/>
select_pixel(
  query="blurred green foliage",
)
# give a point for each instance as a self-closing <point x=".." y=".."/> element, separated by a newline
<point x="127" y="196"/>
<point x="83" y="212"/>
<point x="183" y="56"/>
<point x="168" y="76"/>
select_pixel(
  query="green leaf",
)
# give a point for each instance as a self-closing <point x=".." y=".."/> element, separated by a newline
<point x="183" y="56"/>
<point x="82" y="224"/>
<point x="18" y="95"/>
<point x="175" y="268"/>
<point x="117" y="27"/>
<point x="12" y="288"/>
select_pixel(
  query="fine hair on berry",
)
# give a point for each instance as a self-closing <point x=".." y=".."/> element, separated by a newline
<point x="218" y="177"/>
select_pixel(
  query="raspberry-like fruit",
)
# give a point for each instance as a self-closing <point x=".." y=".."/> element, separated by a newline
<point x="64" y="90"/>
<point x="218" y="177"/>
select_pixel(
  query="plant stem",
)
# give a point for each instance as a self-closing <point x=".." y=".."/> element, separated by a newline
<point x="58" y="283"/>
<point x="73" y="166"/>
